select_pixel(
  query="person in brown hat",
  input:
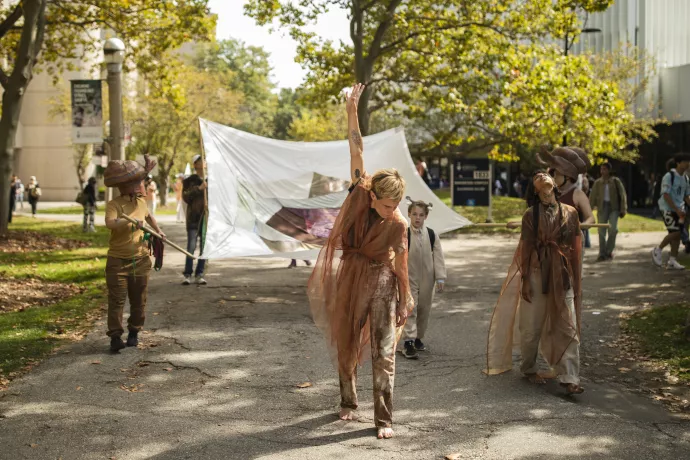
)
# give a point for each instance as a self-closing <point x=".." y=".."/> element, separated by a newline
<point x="540" y="303"/>
<point x="129" y="264"/>
<point x="565" y="164"/>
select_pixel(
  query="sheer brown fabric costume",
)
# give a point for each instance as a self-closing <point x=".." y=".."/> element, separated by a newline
<point x="340" y="287"/>
<point x="352" y="276"/>
<point x="554" y="254"/>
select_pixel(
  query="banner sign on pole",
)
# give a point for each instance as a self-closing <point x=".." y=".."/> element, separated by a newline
<point x="471" y="182"/>
<point x="87" y="112"/>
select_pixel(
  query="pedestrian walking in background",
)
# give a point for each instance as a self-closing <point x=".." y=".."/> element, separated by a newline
<point x="608" y="197"/>
<point x="194" y="194"/>
<point x="34" y="190"/>
<point x="675" y="195"/>
<point x="151" y="195"/>
<point x="293" y="263"/>
<point x="13" y="198"/>
<point x="89" y="202"/>
<point x="19" y="192"/>
<point x="178" y="187"/>
<point x="587" y="183"/>
<point x="670" y="164"/>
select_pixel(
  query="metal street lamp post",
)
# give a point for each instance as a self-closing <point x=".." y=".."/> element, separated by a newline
<point x="114" y="54"/>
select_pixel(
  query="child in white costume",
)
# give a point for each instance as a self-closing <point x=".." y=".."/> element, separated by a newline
<point x="427" y="270"/>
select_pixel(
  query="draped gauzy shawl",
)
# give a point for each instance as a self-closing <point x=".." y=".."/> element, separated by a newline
<point x="360" y="246"/>
<point x="556" y="251"/>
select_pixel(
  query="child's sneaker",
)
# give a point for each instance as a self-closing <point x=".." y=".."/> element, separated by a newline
<point x="410" y="352"/>
<point x="201" y="281"/>
<point x="187" y="281"/>
<point x="419" y="345"/>
<point x="656" y="257"/>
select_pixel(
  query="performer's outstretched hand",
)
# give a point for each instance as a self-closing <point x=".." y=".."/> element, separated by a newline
<point x="353" y="98"/>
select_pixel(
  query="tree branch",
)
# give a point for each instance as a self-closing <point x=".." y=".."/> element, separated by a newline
<point x="375" y="48"/>
<point x="11" y="20"/>
<point x="419" y="33"/>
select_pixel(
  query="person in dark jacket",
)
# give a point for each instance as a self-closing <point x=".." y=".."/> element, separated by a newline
<point x="13" y="198"/>
<point x="90" y="206"/>
<point x="194" y="194"/>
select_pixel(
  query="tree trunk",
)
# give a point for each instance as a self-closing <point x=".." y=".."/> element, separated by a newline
<point x="15" y="85"/>
<point x="164" y="183"/>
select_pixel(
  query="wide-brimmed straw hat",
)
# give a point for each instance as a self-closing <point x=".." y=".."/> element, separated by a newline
<point x="569" y="161"/>
<point x="119" y="172"/>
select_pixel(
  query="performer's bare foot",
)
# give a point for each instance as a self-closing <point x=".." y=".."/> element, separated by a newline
<point x="347" y="414"/>
<point x="536" y="378"/>
<point x="572" y="389"/>
<point x="385" y="433"/>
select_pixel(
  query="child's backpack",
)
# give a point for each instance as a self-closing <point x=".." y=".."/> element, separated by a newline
<point x="432" y="238"/>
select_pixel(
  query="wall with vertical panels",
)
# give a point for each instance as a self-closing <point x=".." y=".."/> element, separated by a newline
<point x="661" y="27"/>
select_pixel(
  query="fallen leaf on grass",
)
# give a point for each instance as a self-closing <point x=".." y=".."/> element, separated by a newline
<point x="453" y="456"/>
<point x="156" y="314"/>
<point x="33" y="446"/>
<point x="168" y="369"/>
<point x="78" y="388"/>
<point x="623" y="369"/>
<point x="95" y="362"/>
<point x="304" y="385"/>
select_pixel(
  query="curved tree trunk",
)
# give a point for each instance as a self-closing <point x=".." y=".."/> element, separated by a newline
<point x="164" y="183"/>
<point x="15" y="85"/>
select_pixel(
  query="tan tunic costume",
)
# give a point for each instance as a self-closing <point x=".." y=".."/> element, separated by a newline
<point x="425" y="267"/>
<point x="359" y="276"/>
<point x="550" y="323"/>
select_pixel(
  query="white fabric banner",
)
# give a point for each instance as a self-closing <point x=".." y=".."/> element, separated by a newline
<point x="276" y="198"/>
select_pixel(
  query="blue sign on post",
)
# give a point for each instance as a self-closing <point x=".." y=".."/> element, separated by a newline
<point x="471" y="182"/>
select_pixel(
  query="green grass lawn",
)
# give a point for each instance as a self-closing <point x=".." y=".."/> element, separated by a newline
<point x="29" y="335"/>
<point x="659" y="333"/>
<point x="506" y="209"/>
<point x="170" y="210"/>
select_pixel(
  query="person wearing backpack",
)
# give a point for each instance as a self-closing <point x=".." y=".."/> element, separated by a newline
<point x="427" y="272"/>
<point x="34" y="194"/>
<point x="608" y="197"/>
<point x="88" y="200"/>
<point x="675" y="196"/>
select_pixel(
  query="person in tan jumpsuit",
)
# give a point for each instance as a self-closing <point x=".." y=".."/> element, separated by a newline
<point x="427" y="272"/>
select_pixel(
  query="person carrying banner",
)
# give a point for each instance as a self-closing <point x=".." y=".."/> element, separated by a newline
<point x="359" y="290"/>
<point x="427" y="272"/>
<point x="193" y="193"/>
<point x="129" y="264"/>
<point x="542" y="292"/>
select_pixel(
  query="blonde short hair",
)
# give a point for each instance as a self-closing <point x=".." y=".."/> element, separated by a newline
<point x="388" y="183"/>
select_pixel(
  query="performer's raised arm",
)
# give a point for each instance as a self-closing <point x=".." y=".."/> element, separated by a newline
<point x="353" y="134"/>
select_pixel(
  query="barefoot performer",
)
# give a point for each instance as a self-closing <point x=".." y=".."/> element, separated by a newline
<point x="129" y="264"/>
<point x="359" y="290"/>
<point x="542" y="293"/>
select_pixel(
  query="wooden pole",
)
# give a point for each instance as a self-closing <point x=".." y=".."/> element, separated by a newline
<point x="157" y="235"/>
<point x="518" y="224"/>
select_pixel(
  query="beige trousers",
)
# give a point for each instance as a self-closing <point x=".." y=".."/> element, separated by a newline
<point x="531" y="323"/>
<point x="418" y="320"/>
<point x="382" y="323"/>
